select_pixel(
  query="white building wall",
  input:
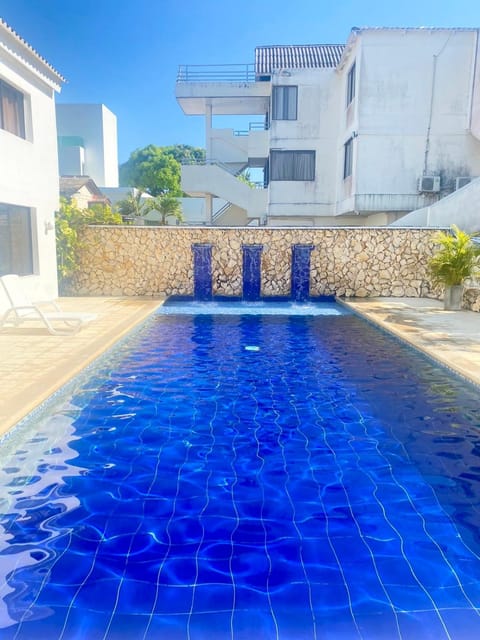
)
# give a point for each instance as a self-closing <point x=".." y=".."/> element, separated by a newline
<point x="110" y="148"/>
<point x="97" y="125"/>
<point x="413" y="109"/>
<point x="475" y="94"/>
<point x="411" y="116"/>
<point x="28" y="168"/>
<point x="315" y="129"/>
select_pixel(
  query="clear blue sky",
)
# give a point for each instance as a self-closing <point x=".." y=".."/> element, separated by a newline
<point x="125" y="53"/>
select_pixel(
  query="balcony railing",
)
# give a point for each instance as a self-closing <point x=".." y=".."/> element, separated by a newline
<point x="216" y="73"/>
<point x="252" y="126"/>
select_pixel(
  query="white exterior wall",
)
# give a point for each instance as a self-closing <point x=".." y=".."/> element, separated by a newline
<point x="97" y="125"/>
<point x="475" y="95"/>
<point x="412" y="112"/>
<point x="315" y="129"/>
<point x="28" y="168"/>
<point x="110" y="148"/>
<point x="410" y="116"/>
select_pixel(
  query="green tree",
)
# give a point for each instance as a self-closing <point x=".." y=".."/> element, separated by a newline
<point x="185" y="154"/>
<point x="167" y="206"/>
<point x="153" y="170"/>
<point x="245" y="177"/>
<point x="69" y="222"/>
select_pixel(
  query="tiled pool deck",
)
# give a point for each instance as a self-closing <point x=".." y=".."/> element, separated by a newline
<point x="34" y="364"/>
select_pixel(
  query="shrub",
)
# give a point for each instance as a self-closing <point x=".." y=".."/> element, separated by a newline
<point x="69" y="222"/>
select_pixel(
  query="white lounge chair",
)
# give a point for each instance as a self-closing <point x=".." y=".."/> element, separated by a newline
<point x="19" y="308"/>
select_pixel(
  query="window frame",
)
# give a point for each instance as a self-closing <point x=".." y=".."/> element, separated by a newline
<point x="19" y="128"/>
<point x="284" y="89"/>
<point x="16" y="232"/>
<point x="351" y="83"/>
<point x="275" y="171"/>
<point x="348" y="158"/>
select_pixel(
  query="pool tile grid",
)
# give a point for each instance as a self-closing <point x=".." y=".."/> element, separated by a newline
<point x="343" y="475"/>
<point x="177" y="483"/>
<point x="403" y="489"/>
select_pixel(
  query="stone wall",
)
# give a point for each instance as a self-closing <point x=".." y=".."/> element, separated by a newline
<point x="471" y="299"/>
<point x="345" y="261"/>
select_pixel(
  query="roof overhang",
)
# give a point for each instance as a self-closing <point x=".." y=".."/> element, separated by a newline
<point x="12" y="45"/>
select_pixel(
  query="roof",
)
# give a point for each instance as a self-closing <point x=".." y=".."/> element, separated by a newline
<point x="70" y="185"/>
<point x="305" y="56"/>
<point x="23" y="44"/>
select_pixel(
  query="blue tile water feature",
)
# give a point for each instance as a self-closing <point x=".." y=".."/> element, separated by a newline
<point x="301" y="271"/>
<point x="251" y="271"/>
<point x="202" y="271"/>
<point x="277" y="476"/>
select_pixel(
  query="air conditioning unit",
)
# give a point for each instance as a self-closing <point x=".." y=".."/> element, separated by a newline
<point x="429" y="184"/>
<point x="462" y="181"/>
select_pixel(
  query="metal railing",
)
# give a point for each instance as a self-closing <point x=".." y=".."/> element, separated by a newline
<point x="216" y="73"/>
<point x="221" y="211"/>
<point x="252" y="126"/>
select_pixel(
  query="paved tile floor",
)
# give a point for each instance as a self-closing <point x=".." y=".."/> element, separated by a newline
<point x="34" y="364"/>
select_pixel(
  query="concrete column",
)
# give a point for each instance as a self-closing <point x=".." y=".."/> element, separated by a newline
<point x="208" y="130"/>
<point x="208" y="157"/>
<point x="208" y="208"/>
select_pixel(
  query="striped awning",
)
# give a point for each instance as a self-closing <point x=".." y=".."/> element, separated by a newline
<point x="309" y="56"/>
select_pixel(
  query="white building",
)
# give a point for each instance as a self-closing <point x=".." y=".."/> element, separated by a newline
<point x="29" y="193"/>
<point x="87" y="142"/>
<point x="360" y="134"/>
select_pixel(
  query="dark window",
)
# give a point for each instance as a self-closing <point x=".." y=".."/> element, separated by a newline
<point x="292" y="165"/>
<point x="15" y="240"/>
<point x="351" y="84"/>
<point x="284" y="103"/>
<point x="348" y="158"/>
<point x="12" y="113"/>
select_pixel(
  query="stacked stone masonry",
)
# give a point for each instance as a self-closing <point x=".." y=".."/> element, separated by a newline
<point x="361" y="262"/>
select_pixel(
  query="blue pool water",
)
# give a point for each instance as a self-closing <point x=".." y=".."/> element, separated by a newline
<point x="246" y="476"/>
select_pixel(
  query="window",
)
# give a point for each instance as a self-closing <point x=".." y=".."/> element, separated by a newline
<point x="12" y="113"/>
<point x="292" y="165"/>
<point x="351" y="84"/>
<point x="348" y="158"/>
<point x="15" y="240"/>
<point x="284" y="103"/>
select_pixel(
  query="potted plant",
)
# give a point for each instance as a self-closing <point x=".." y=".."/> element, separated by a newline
<point x="456" y="260"/>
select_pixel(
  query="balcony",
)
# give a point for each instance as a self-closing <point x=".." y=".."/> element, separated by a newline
<point x="229" y="89"/>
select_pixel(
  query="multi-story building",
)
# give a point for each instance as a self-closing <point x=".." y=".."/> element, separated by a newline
<point x="29" y="193"/>
<point x="87" y="142"/>
<point x="354" y="134"/>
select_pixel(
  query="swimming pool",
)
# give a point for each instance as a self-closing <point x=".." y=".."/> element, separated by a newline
<point x="238" y="476"/>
